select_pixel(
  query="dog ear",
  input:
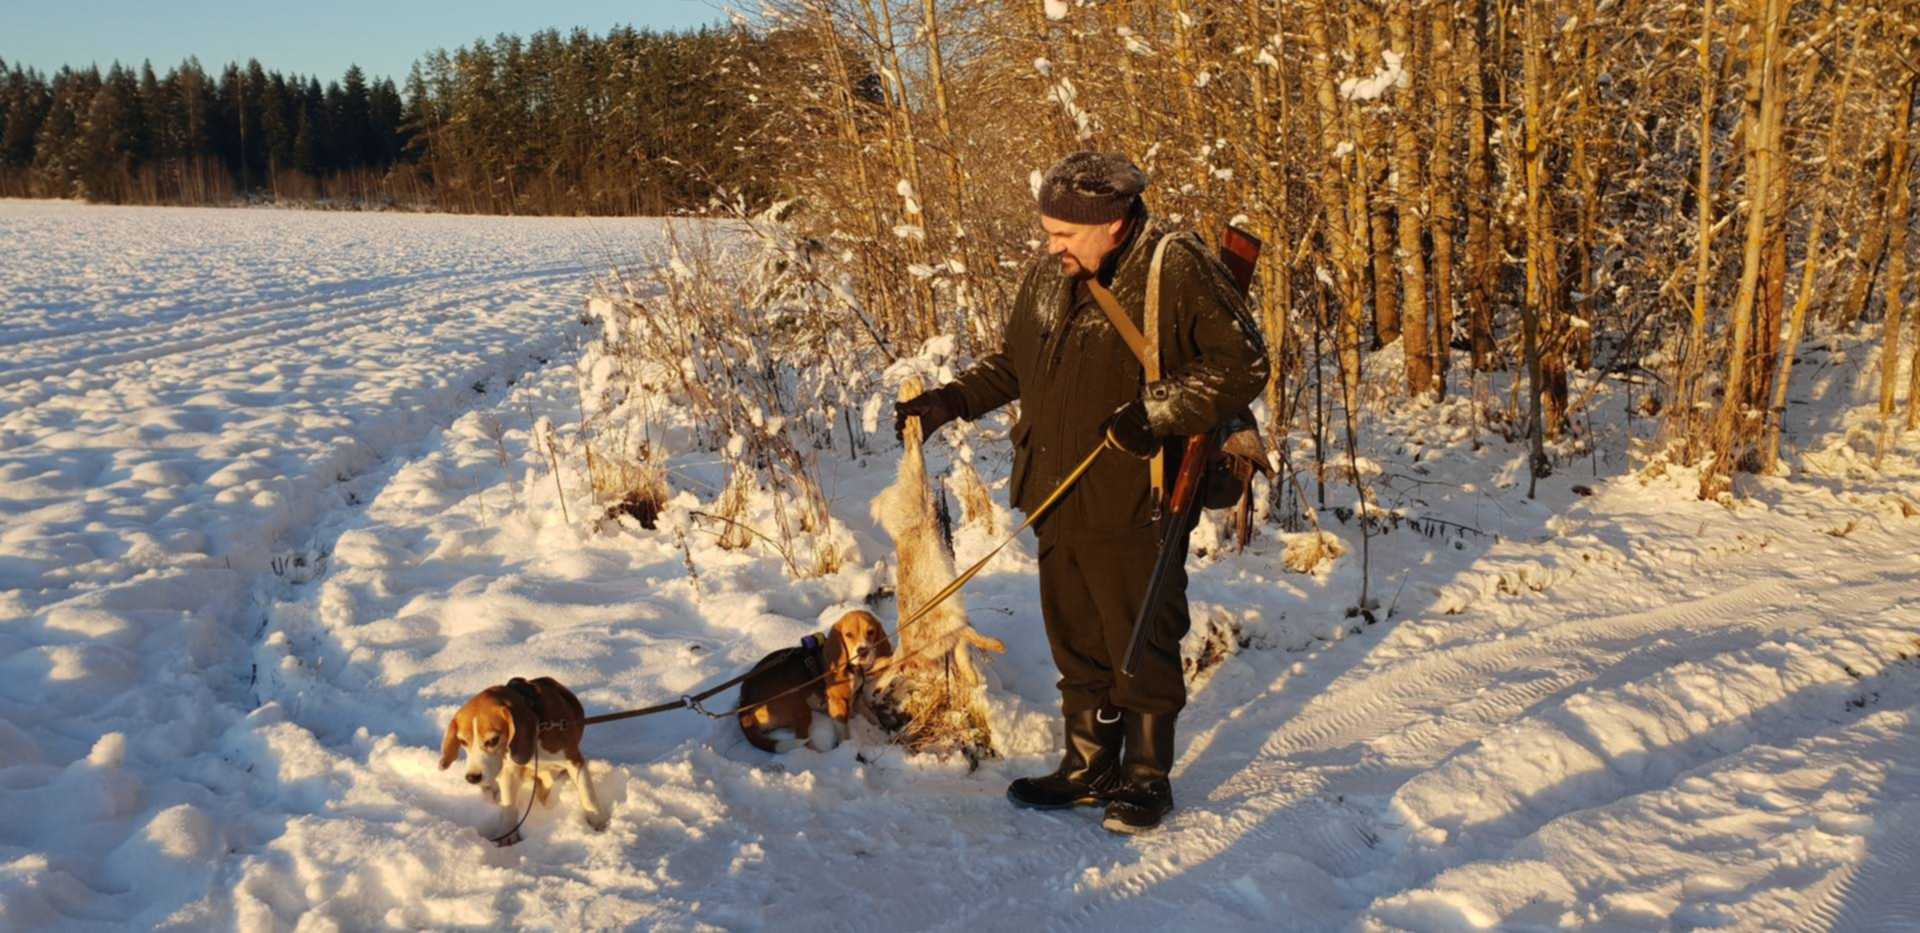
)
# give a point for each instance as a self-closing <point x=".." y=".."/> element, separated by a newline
<point x="522" y="731"/>
<point x="834" y="654"/>
<point x="450" y="746"/>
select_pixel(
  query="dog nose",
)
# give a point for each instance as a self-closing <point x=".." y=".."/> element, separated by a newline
<point x="473" y="779"/>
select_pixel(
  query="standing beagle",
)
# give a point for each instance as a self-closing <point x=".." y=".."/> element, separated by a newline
<point x="523" y="731"/>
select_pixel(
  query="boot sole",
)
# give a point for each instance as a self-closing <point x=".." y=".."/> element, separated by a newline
<point x="1027" y="805"/>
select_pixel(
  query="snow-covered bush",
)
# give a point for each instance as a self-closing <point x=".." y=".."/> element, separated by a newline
<point x="742" y="333"/>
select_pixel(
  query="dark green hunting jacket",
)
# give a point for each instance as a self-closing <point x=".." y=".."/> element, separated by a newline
<point x="1068" y="368"/>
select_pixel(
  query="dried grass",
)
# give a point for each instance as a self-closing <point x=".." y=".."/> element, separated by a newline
<point x="1310" y="551"/>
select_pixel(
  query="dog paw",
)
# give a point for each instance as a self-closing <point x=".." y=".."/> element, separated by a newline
<point x="597" y="822"/>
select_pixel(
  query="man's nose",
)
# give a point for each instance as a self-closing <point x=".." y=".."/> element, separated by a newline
<point x="473" y="779"/>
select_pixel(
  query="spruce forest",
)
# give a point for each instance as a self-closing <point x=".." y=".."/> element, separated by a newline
<point x="632" y="122"/>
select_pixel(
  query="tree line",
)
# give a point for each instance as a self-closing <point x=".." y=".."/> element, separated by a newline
<point x="629" y="122"/>
<point x="127" y="136"/>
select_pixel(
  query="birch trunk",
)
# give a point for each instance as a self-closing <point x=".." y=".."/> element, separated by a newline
<point x="1416" y="330"/>
<point x="1540" y="261"/>
<point x="1809" y="266"/>
<point x="1873" y="243"/>
<point x="1692" y="362"/>
<point x="1479" y="196"/>
<point x="1276" y="284"/>
<point x="1730" y="426"/>
<point x="1902" y="222"/>
<point x="1441" y="187"/>
<point x="1338" y="196"/>
<point x="1372" y="165"/>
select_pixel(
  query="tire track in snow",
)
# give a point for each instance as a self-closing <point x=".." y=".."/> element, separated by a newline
<point x="1881" y="892"/>
<point x="1382" y="700"/>
<point x="184" y="317"/>
<point x="1270" y="804"/>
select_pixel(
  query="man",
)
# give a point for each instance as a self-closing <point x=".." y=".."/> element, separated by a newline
<point x="1077" y="382"/>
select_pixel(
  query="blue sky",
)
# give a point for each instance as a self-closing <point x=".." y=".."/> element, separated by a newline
<point x="319" y="37"/>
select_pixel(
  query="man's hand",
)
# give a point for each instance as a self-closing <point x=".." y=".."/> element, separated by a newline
<point x="1128" y="429"/>
<point x="934" y="408"/>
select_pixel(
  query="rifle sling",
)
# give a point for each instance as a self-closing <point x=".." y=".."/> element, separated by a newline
<point x="1146" y="350"/>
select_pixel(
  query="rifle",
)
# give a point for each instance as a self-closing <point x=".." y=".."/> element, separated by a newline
<point x="1240" y="253"/>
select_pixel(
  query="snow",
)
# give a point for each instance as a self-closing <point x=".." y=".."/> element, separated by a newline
<point x="1623" y="709"/>
<point x="1390" y="75"/>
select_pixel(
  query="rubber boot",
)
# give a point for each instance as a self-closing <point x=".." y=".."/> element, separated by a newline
<point x="1145" y="795"/>
<point x="1086" y="771"/>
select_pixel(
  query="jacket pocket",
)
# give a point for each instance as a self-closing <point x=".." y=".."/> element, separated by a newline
<point x="1022" y="456"/>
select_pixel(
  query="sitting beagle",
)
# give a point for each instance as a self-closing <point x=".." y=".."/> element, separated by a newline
<point x="841" y="660"/>
<point x="525" y="730"/>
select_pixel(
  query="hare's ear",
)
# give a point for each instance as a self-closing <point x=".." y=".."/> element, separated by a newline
<point x="522" y="732"/>
<point x="450" y="746"/>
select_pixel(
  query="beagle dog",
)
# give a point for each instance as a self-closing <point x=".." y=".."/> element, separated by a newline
<point x="840" y="660"/>
<point x="520" y="732"/>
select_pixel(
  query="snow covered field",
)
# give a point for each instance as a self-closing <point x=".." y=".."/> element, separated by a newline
<point x="272" y="510"/>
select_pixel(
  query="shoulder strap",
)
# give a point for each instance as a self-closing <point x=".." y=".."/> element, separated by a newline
<point x="1145" y="347"/>
<point x="1117" y="316"/>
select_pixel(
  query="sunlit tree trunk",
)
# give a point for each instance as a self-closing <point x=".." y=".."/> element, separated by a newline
<point x="1810" y="265"/>
<point x="1692" y="359"/>
<point x="1408" y="187"/>
<point x="1337" y="197"/>
<point x="1763" y="108"/>
<point x="1479" y="194"/>
<point x="1373" y="163"/>
<point x="1441" y="187"/>
<point x="1902" y="223"/>
<point x="1540" y="253"/>
<point x="1273" y="229"/>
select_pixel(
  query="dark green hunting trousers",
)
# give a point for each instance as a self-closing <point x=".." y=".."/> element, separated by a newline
<point x="1091" y="588"/>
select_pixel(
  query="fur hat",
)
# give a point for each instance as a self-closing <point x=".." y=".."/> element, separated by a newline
<point x="1091" y="188"/>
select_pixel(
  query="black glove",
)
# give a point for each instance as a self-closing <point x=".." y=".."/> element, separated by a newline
<point x="1129" y="430"/>
<point x="934" y="409"/>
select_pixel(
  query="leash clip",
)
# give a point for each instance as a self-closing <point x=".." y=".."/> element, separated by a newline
<point x="693" y="704"/>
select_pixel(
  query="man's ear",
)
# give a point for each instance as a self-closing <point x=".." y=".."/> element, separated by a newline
<point x="1113" y="229"/>
<point x="450" y="746"/>
<point x="522" y="731"/>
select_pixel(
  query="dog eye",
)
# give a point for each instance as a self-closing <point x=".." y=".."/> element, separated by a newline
<point x="493" y="741"/>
